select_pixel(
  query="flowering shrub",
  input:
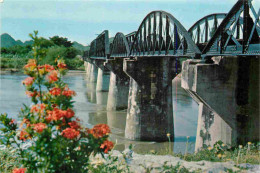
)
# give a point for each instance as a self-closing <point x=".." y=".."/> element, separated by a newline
<point x="50" y="138"/>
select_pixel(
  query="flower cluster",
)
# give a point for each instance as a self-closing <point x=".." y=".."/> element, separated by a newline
<point x="19" y="170"/>
<point x="50" y="124"/>
<point x="99" y="130"/>
<point x="107" y="146"/>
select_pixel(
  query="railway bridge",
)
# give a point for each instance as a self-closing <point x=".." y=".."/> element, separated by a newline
<point x="218" y="59"/>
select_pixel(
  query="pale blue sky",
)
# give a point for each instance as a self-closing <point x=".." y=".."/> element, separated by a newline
<point x="81" y="20"/>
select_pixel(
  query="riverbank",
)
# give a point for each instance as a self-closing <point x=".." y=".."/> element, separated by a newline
<point x="138" y="163"/>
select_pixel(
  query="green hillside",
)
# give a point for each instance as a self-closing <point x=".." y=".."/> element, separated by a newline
<point x="79" y="46"/>
<point x="8" y="41"/>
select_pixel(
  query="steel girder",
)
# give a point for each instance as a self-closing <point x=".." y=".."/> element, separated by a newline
<point x="238" y="34"/>
<point x="100" y="48"/>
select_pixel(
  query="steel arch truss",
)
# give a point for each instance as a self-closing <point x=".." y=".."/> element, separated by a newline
<point x="160" y="34"/>
<point x="202" y="31"/>
<point x="120" y="46"/>
<point x="99" y="48"/>
<point x="238" y="34"/>
<point x="130" y="38"/>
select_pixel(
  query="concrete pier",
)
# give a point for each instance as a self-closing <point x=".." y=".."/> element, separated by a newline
<point x="226" y="93"/>
<point x="149" y="114"/>
<point x="93" y="73"/>
<point x="119" y="85"/>
<point x="103" y="80"/>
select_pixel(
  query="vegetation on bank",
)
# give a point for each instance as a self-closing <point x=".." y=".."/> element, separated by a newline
<point x="15" y="57"/>
<point x="219" y="153"/>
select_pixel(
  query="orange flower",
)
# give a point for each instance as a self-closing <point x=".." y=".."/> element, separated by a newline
<point x="31" y="65"/>
<point x="107" y="146"/>
<point x="39" y="108"/>
<point x="12" y="121"/>
<point x="68" y="93"/>
<point x="46" y="67"/>
<point x="26" y="121"/>
<point x="62" y="66"/>
<point x="70" y="133"/>
<point x="55" y="91"/>
<point x="54" y="115"/>
<point x="53" y="76"/>
<point x="31" y="94"/>
<point x="39" y="127"/>
<point x="28" y="81"/>
<point x="24" y="135"/>
<point x="19" y="170"/>
<point x="69" y="113"/>
<point x="74" y="124"/>
<point x="99" y="130"/>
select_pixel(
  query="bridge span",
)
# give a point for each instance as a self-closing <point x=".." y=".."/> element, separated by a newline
<point x="218" y="59"/>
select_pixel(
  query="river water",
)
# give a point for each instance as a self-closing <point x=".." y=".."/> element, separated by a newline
<point x="90" y="107"/>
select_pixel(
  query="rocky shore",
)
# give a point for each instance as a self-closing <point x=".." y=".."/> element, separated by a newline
<point x="138" y="163"/>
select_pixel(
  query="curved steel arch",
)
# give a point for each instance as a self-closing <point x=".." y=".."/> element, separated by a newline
<point x="160" y="34"/>
<point x="238" y="34"/>
<point x="120" y="46"/>
<point x="202" y="30"/>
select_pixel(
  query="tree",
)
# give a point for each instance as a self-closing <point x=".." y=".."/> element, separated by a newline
<point x="61" y="41"/>
<point x="45" y="43"/>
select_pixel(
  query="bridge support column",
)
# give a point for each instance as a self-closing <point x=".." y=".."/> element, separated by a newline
<point x="211" y="128"/>
<point x="150" y="114"/>
<point x="93" y="73"/>
<point x="119" y="85"/>
<point x="103" y="80"/>
<point x="88" y="70"/>
<point x="228" y="103"/>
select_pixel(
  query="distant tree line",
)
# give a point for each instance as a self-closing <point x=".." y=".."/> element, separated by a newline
<point x="52" y="48"/>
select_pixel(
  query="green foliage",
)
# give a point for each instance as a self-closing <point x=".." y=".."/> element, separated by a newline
<point x="110" y="164"/>
<point x="21" y="50"/>
<point x="61" y="41"/>
<point x="9" y="159"/>
<point x="173" y="169"/>
<point x="75" y="63"/>
<point x="44" y="43"/>
<point x="13" y="61"/>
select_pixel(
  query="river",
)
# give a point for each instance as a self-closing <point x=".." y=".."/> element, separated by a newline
<point x="90" y="107"/>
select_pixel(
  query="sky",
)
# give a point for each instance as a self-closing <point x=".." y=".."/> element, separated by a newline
<point x="83" y="20"/>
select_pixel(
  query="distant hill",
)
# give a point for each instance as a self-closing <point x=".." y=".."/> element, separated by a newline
<point x="80" y="46"/>
<point x="8" y="41"/>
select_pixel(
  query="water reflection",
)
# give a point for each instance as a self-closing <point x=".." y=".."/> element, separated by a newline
<point x="91" y="92"/>
<point x="101" y="98"/>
